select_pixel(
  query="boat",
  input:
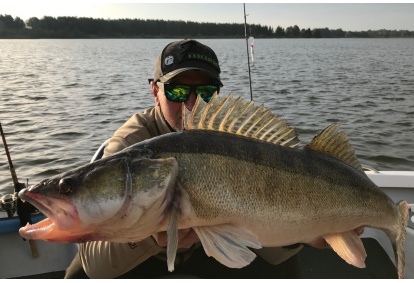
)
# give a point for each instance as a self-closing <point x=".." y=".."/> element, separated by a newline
<point x="41" y="259"/>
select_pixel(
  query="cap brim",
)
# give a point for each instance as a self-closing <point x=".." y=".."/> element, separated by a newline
<point x="167" y="77"/>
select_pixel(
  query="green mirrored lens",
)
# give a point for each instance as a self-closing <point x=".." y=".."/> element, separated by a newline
<point x="177" y="93"/>
<point x="206" y="91"/>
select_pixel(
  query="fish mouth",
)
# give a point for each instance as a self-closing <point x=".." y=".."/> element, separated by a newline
<point x="40" y="230"/>
<point x="61" y="216"/>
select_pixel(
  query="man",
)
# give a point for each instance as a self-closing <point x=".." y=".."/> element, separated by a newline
<point x="183" y="70"/>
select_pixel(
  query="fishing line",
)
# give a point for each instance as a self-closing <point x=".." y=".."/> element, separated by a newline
<point x="247" y="48"/>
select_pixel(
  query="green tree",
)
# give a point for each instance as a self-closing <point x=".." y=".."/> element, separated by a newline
<point x="325" y="33"/>
<point x="289" y="32"/>
<point x="280" y="32"/>
<point x="295" y="31"/>
<point x="338" y="33"/>
<point x="19" y="23"/>
<point x="7" y="20"/>
<point x="316" y="33"/>
<point x="33" y="23"/>
<point x="307" y="33"/>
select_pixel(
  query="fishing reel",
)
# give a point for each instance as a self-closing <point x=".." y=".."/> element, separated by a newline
<point x="8" y="203"/>
<point x="11" y="204"/>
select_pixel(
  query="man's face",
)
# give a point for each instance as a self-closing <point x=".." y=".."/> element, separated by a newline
<point x="172" y="110"/>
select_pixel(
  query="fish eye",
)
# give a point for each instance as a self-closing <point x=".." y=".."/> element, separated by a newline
<point x="64" y="186"/>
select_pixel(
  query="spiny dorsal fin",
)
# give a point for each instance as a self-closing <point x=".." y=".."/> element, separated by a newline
<point x="335" y="143"/>
<point x="234" y="115"/>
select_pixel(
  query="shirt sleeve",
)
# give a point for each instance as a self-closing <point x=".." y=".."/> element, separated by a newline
<point x="109" y="260"/>
<point x="132" y="132"/>
<point x="139" y="127"/>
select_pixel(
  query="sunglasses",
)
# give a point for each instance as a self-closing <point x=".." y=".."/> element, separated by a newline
<point x="181" y="93"/>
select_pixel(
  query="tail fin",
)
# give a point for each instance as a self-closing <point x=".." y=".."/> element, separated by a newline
<point x="398" y="244"/>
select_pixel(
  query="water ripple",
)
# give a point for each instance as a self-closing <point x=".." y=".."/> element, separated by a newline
<point x="60" y="99"/>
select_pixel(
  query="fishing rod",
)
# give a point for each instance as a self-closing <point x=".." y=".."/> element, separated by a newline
<point x="13" y="203"/>
<point x="247" y="48"/>
<point x="9" y="201"/>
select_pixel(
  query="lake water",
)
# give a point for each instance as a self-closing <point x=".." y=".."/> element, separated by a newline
<point x="60" y="99"/>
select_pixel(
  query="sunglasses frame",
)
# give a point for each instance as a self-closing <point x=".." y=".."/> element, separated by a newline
<point x="193" y="89"/>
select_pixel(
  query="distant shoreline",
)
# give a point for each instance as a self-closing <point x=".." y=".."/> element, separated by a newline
<point x="77" y="28"/>
<point x="183" y="36"/>
<point x="170" y="37"/>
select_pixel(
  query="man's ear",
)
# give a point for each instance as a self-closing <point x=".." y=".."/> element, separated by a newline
<point x="155" y="90"/>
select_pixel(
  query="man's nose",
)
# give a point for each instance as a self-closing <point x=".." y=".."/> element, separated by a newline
<point x="189" y="104"/>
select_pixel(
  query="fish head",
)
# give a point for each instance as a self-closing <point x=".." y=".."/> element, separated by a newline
<point x="96" y="201"/>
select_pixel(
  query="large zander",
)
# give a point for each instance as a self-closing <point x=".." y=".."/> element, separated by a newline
<point x="236" y="175"/>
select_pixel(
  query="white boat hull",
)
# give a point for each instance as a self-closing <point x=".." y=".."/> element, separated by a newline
<point x="398" y="185"/>
<point x="17" y="258"/>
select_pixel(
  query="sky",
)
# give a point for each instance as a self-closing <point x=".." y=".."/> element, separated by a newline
<point x="349" y="16"/>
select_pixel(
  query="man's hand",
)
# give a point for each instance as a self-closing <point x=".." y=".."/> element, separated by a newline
<point x="320" y="243"/>
<point x="186" y="238"/>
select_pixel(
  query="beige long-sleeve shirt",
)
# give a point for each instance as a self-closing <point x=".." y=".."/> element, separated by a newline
<point x="109" y="260"/>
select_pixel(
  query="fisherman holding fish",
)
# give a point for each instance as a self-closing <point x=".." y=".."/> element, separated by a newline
<point x="184" y="69"/>
<point x="222" y="185"/>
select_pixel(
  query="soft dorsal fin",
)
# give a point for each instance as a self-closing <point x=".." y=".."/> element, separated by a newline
<point x="234" y="115"/>
<point x="335" y="143"/>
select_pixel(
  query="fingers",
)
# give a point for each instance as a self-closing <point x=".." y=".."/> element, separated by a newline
<point x="319" y="243"/>
<point x="183" y="232"/>
<point x="186" y="238"/>
<point x="359" y="230"/>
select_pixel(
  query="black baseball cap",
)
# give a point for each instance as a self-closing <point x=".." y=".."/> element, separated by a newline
<point x="185" y="55"/>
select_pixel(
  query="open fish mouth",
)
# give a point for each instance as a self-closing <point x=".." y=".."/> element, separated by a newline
<point x="61" y="215"/>
<point x="39" y="230"/>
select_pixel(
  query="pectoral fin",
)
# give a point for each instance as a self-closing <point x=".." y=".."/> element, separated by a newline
<point x="349" y="247"/>
<point x="172" y="234"/>
<point x="228" y="244"/>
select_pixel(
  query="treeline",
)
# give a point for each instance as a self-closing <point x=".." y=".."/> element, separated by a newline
<point x="296" y="32"/>
<point x="74" y="27"/>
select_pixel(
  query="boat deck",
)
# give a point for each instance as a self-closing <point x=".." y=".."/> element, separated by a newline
<point x="321" y="264"/>
<point x="326" y="264"/>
